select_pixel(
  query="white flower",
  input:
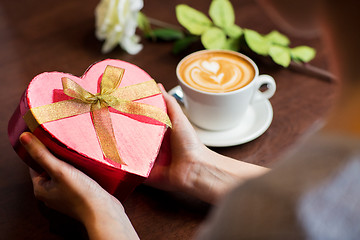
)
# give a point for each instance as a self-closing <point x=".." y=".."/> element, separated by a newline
<point x="116" y="23"/>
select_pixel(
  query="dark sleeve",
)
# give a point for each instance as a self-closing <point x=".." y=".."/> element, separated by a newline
<point x="269" y="207"/>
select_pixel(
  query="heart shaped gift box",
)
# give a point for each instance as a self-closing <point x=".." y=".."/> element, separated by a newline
<point x="109" y="123"/>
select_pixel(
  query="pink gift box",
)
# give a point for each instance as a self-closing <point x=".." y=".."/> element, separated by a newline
<point x="74" y="139"/>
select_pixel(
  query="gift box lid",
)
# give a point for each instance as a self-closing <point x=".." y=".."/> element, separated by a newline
<point x="138" y="138"/>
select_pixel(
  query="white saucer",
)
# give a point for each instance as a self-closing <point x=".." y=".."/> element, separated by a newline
<point x="256" y="121"/>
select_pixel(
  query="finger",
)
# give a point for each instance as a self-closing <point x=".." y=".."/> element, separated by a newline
<point x="180" y="122"/>
<point x="39" y="153"/>
<point x="33" y="173"/>
<point x="175" y="112"/>
<point x="39" y="181"/>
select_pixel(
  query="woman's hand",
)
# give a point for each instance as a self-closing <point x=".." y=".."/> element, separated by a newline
<point x="186" y="151"/>
<point x="68" y="190"/>
<point x="195" y="169"/>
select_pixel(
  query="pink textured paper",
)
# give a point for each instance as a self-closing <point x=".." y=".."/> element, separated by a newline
<point x="138" y="138"/>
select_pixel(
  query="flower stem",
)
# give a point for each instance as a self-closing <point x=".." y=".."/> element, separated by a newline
<point x="160" y="23"/>
<point x="313" y="70"/>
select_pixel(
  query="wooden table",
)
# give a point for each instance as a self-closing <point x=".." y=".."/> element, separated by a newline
<point x="58" y="35"/>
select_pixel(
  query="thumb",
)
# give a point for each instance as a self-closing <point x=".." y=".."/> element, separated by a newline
<point x="175" y="112"/>
<point x="40" y="153"/>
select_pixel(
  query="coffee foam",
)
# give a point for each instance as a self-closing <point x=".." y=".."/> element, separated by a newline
<point x="216" y="72"/>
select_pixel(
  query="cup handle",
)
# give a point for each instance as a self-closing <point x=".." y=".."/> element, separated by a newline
<point x="269" y="92"/>
<point x="178" y="94"/>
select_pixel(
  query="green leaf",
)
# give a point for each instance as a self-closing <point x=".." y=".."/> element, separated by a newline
<point x="257" y="42"/>
<point x="222" y="13"/>
<point x="280" y="55"/>
<point x="213" y="38"/>
<point x="144" y="23"/>
<point x="303" y="53"/>
<point x="167" y="34"/>
<point x="234" y="31"/>
<point x="232" y="44"/>
<point x="193" y="20"/>
<point x="181" y="44"/>
<point x="278" y="38"/>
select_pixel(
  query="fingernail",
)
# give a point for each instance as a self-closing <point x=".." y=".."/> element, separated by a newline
<point x="161" y="87"/>
<point x="25" y="138"/>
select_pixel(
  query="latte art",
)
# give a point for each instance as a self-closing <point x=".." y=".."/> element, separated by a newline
<point x="216" y="72"/>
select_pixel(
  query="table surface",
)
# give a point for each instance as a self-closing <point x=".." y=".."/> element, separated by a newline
<point x="39" y="36"/>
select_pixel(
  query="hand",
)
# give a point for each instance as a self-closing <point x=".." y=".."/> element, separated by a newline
<point x="186" y="150"/>
<point x="68" y="190"/>
<point x="195" y="169"/>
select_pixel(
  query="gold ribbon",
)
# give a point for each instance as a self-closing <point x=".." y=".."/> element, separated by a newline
<point x="98" y="105"/>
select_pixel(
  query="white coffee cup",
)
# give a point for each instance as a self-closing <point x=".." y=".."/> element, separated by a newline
<point x="223" y="110"/>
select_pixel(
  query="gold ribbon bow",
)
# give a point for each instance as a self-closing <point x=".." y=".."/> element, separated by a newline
<point x="98" y="105"/>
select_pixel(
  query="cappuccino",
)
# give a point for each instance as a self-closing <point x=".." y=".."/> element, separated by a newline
<point x="216" y="71"/>
<point x="218" y="86"/>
